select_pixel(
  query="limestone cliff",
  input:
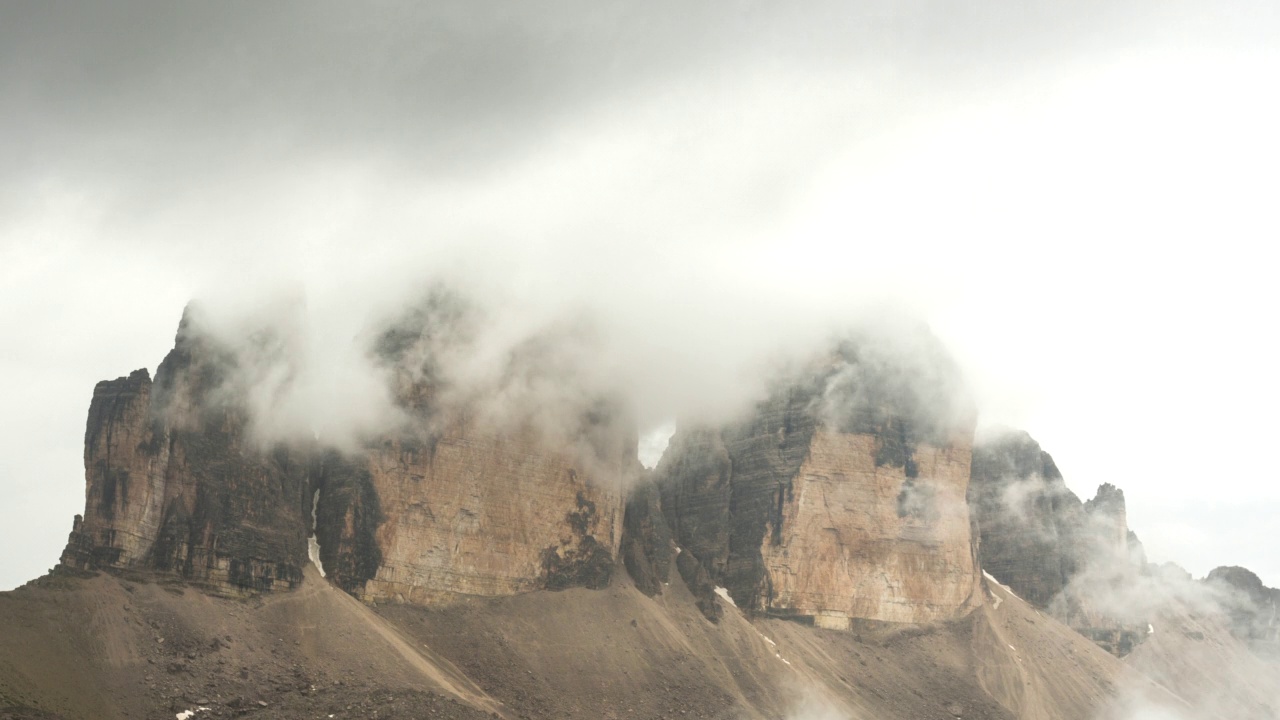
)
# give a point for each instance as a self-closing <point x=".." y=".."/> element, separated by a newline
<point x="451" y="501"/>
<point x="476" y="513"/>
<point x="174" y="483"/>
<point x="840" y="498"/>
<point x="494" y="488"/>
<point x="1061" y="554"/>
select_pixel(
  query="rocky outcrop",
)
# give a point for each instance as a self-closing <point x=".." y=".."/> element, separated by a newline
<point x="1029" y="522"/>
<point x="475" y="514"/>
<point x="450" y="502"/>
<point x="646" y="540"/>
<point x="840" y="498"/>
<point x="504" y="486"/>
<point x="1253" y="608"/>
<point x="1060" y="554"/>
<point x="175" y="483"/>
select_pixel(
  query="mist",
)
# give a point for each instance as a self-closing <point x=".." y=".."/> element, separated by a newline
<point x="693" y="191"/>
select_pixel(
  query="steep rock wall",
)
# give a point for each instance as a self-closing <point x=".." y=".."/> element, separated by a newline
<point x="1030" y="524"/>
<point x="1072" y="558"/>
<point x="839" y="499"/>
<point x="178" y="481"/>
<point x="502" y="484"/>
<point x="174" y="484"/>
<point x="476" y="513"/>
<point x="858" y="540"/>
<point x="1253" y="608"/>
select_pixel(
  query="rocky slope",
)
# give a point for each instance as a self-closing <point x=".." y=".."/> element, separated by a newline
<point x="840" y="499"/>
<point x="108" y="647"/>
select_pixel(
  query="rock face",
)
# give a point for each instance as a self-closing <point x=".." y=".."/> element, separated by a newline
<point x="1029" y="521"/>
<point x="1038" y="538"/>
<point x="474" y="514"/>
<point x="1253" y="608"/>
<point x="472" y="497"/>
<point x="447" y="504"/>
<point x="646" y="540"/>
<point x="174" y="483"/>
<point x="841" y="497"/>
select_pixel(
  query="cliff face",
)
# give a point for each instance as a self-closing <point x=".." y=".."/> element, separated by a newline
<point x="1038" y="538"/>
<point x="475" y="513"/>
<point x="447" y="503"/>
<point x="1253" y="608"/>
<point x="510" y="484"/>
<point x="1029" y="522"/>
<point x="174" y="483"/>
<point x="841" y="498"/>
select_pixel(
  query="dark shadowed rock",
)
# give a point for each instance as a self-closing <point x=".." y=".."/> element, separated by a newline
<point x="1254" y="608"/>
<point x="1070" y="557"/>
<point x="646" y="539"/>
<point x="451" y="502"/>
<point x="175" y="482"/>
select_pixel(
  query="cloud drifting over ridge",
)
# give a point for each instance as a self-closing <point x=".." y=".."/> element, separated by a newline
<point x="712" y="184"/>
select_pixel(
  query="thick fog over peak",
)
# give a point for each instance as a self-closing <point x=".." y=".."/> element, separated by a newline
<point x="1074" y="198"/>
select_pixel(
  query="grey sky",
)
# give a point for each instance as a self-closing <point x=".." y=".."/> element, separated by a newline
<point x="1079" y="198"/>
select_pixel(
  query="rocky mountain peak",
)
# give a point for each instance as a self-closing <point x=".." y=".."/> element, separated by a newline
<point x="837" y="499"/>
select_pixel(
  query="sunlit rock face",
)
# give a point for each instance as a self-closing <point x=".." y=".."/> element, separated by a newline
<point x="840" y="498"/>
<point x="1075" y="559"/>
<point x="175" y="484"/>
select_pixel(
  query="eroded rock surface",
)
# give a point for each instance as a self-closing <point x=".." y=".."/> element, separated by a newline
<point x="174" y="482"/>
<point x="1253" y="608"/>
<point x="476" y="514"/>
<point x="1075" y="559"/>
<point x="508" y="484"/>
<point x="451" y="501"/>
<point x="840" y="498"/>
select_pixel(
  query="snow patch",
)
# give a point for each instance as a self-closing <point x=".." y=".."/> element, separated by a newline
<point x="1004" y="587"/>
<point x="186" y="714"/>
<point x="1150" y="629"/>
<point x="724" y="593"/>
<point x="313" y="545"/>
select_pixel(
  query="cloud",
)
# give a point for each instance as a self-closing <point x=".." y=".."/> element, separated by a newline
<point x="707" y="185"/>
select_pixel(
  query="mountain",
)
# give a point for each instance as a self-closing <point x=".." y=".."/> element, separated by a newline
<point x="178" y="482"/>
<point x="1059" y="553"/>
<point x="495" y="549"/>
<point x="839" y="499"/>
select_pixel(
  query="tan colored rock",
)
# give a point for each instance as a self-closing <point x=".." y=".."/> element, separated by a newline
<point x="175" y="484"/>
<point x="485" y="514"/>
<point x="841" y="497"/>
<point x="861" y="541"/>
<point x="125" y="477"/>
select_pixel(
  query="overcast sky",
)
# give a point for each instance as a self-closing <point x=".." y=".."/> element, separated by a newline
<point x="1079" y="198"/>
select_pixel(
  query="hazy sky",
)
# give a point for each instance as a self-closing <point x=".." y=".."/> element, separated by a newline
<point x="1080" y="199"/>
